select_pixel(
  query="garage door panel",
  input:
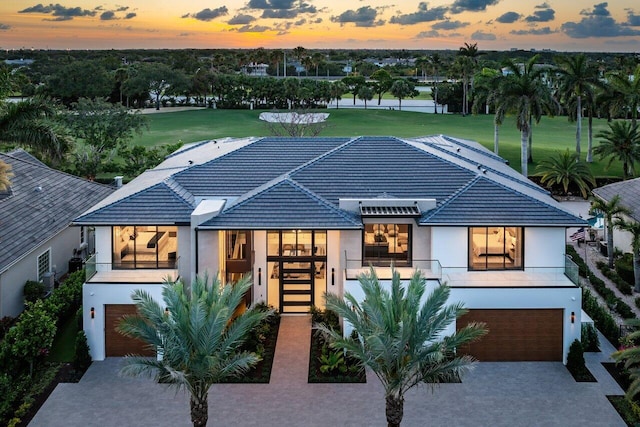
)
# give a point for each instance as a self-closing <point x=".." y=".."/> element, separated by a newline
<point x="116" y="344"/>
<point x="516" y="335"/>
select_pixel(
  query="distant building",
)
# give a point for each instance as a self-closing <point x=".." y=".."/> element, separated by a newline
<point x="255" y="69"/>
<point x="19" y="62"/>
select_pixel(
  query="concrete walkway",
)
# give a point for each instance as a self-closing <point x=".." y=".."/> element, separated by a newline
<point x="494" y="394"/>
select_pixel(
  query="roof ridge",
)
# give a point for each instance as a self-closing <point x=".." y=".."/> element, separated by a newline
<point x="323" y="155"/>
<point x="323" y="201"/>
<point x="451" y="198"/>
<point x="179" y="190"/>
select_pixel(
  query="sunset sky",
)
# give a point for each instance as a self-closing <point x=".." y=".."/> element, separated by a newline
<point x="561" y="25"/>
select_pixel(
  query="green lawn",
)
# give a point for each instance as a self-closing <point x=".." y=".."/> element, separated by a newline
<point x="549" y="136"/>
<point x="64" y="343"/>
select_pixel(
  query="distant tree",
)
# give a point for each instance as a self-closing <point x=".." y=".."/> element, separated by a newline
<point x="352" y="84"/>
<point x="365" y="93"/>
<point x="401" y="89"/>
<point x="436" y="64"/>
<point x="383" y="82"/>
<point x="158" y="80"/>
<point x="633" y="227"/>
<point x="337" y="90"/>
<point x="486" y="93"/>
<point x="79" y="79"/>
<point x="626" y="93"/>
<point x="138" y="158"/>
<point x="620" y="142"/>
<point x="565" y="168"/>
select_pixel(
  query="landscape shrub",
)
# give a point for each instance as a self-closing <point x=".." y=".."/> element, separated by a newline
<point x="637" y="301"/>
<point x="624" y="310"/>
<point x="575" y="360"/>
<point x="81" y="357"/>
<point x="623" y="286"/>
<point x="5" y="323"/>
<point x="589" y="338"/>
<point x="34" y="291"/>
<point x="601" y="317"/>
<point x="582" y="266"/>
<point x="624" y="268"/>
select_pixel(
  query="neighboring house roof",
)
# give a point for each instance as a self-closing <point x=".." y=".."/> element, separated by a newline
<point x="40" y="203"/>
<point x="629" y="192"/>
<point x="298" y="182"/>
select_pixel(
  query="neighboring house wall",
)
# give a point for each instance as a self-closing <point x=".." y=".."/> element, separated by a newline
<point x="12" y="281"/>
<point x="622" y="239"/>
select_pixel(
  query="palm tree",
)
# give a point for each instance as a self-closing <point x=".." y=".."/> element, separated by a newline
<point x="620" y="142"/>
<point x="626" y="91"/>
<point x="436" y="64"/>
<point x="337" y="90"/>
<point x="5" y="176"/>
<point x="486" y="93"/>
<point x="523" y="93"/>
<point x="33" y="124"/>
<point x="199" y="336"/>
<point x="633" y="227"/>
<point x="609" y="210"/>
<point x="468" y="67"/>
<point x="365" y="93"/>
<point x="566" y="169"/>
<point x="577" y="79"/>
<point x="400" y="338"/>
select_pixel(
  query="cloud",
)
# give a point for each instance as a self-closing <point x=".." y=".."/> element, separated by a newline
<point x="422" y="15"/>
<point x="130" y="15"/>
<point x="597" y="23"/>
<point x="241" y="19"/>
<point x="460" y="6"/>
<point x="533" y="32"/>
<point x="61" y="13"/>
<point x="208" y="14"/>
<point x="108" y="16"/>
<point x="253" y="29"/>
<point x="449" y="25"/>
<point x="363" y="17"/>
<point x="541" y="15"/>
<point x="4" y="27"/>
<point x="481" y="35"/>
<point x="633" y="20"/>
<point x="281" y="9"/>
<point x="427" y="34"/>
<point x="508" y="18"/>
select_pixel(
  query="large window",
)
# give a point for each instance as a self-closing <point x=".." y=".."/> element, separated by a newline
<point x="146" y="246"/>
<point x="386" y="244"/>
<point x="496" y="248"/>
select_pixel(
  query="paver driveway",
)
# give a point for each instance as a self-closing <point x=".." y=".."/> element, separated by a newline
<point x="494" y="394"/>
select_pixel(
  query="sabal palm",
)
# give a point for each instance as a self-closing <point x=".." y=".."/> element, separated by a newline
<point x="577" y="80"/>
<point x="33" y="124"/>
<point x="620" y="142"/>
<point x="487" y="92"/>
<point x="436" y="64"/>
<point x="199" y="337"/>
<point x="610" y="210"/>
<point x="633" y="227"/>
<point x="566" y="169"/>
<point x="400" y="337"/>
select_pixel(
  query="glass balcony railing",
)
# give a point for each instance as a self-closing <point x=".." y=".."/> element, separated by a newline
<point x="429" y="268"/>
<point x="100" y="272"/>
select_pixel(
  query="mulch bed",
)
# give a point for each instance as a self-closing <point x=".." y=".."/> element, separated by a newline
<point x="617" y="373"/>
<point x="355" y="373"/>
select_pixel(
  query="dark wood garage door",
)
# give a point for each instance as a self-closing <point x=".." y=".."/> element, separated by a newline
<point x="516" y="335"/>
<point x="116" y="344"/>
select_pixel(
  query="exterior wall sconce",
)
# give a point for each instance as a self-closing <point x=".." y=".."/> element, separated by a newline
<point x="259" y="276"/>
<point x="333" y="276"/>
<point x="573" y="317"/>
<point x="93" y="313"/>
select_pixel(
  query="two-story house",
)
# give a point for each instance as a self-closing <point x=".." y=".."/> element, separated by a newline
<point x="305" y="216"/>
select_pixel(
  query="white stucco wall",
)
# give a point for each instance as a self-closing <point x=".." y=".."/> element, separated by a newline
<point x="12" y="281"/>
<point x="208" y="242"/>
<point x="260" y="271"/>
<point x="184" y="253"/>
<point x="450" y="246"/>
<point x="544" y="247"/>
<point x="99" y="295"/>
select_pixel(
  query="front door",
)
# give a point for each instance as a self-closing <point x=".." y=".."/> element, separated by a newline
<point x="297" y="261"/>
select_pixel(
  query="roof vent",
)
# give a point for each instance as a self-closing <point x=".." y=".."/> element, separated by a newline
<point x="118" y="181"/>
<point x="458" y="150"/>
<point x="38" y="188"/>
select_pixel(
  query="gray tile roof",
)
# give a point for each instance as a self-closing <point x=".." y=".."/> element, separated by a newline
<point x="297" y="182"/>
<point x="158" y="205"/>
<point x="42" y="202"/>
<point x="284" y="204"/>
<point x="486" y="202"/>
<point x="629" y="192"/>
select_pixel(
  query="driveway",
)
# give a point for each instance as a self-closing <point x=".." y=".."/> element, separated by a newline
<point x="493" y="394"/>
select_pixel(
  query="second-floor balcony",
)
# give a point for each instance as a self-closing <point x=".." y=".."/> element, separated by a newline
<point x="105" y="273"/>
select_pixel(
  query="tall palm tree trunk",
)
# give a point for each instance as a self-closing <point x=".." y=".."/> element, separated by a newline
<point x="199" y="410"/>
<point x="590" y="139"/>
<point x="578" y="126"/>
<point x="394" y="410"/>
<point x="435" y="98"/>
<point x="524" y="156"/>
<point x="610" y="242"/>
<point x="636" y="269"/>
<point x="530" y="141"/>
<point x="496" y="137"/>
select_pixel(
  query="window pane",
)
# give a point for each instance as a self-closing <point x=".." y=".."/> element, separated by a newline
<point x="146" y="246"/>
<point x="44" y="264"/>
<point x="495" y="248"/>
<point x="385" y="244"/>
<point x="273" y="243"/>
